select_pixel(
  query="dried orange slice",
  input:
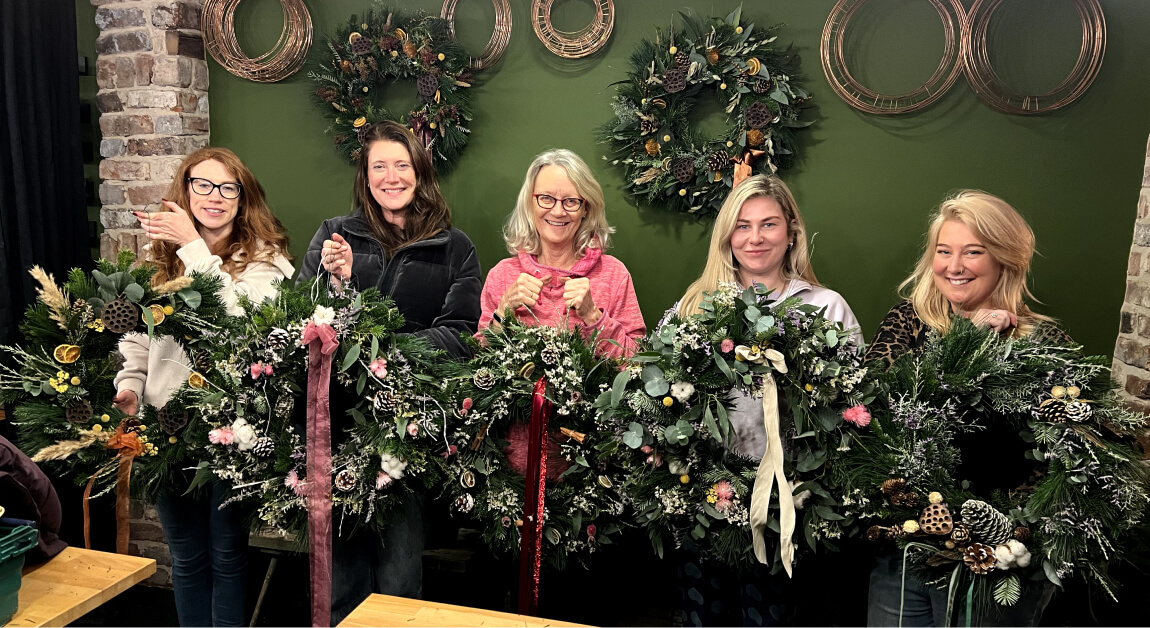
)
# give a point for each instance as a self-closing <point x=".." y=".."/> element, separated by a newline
<point x="157" y="314"/>
<point x="66" y="354"/>
<point x="195" y="380"/>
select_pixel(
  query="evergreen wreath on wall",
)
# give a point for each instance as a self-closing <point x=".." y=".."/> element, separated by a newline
<point x="668" y="161"/>
<point x="369" y="53"/>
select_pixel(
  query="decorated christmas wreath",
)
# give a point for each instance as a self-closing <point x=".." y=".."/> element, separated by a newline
<point x="958" y="407"/>
<point x="668" y="161"/>
<point x="62" y="390"/>
<point x="671" y="410"/>
<point x="369" y="53"/>
<point x="489" y="456"/>
<point x="257" y="442"/>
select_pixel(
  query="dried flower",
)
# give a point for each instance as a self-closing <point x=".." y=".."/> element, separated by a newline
<point x="682" y="391"/>
<point x="382" y="480"/>
<point x="221" y="436"/>
<point x="378" y="367"/>
<point x="412" y="429"/>
<point x="857" y="415"/>
<point x="727" y="345"/>
<point x="591" y="530"/>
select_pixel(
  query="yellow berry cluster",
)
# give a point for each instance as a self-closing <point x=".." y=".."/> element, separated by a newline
<point x="96" y="324"/>
<point x="712" y="495"/>
<point x="61" y="381"/>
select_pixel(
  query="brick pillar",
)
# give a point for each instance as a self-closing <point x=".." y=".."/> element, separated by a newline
<point x="1132" y="350"/>
<point x="148" y="540"/>
<point x="153" y="103"/>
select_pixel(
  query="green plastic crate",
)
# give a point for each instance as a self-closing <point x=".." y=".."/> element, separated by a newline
<point x="14" y="542"/>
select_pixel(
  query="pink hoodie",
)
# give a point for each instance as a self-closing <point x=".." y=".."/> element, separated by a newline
<point x="611" y="290"/>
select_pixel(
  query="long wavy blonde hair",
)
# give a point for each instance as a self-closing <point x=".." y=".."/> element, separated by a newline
<point x="722" y="267"/>
<point x="519" y="231"/>
<point x="1008" y="239"/>
<point x="257" y="235"/>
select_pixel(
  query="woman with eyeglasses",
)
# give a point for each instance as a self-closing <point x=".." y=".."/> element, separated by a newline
<point x="216" y="221"/>
<point x="559" y="274"/>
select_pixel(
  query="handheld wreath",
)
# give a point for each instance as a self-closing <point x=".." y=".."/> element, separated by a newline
<point x="668" y="161"/>
<point x="62" y="390"/>
<point x="395" y="429"/>
<point x="951" y="412"/>
<point x="383" y="47"/>
<point x="488" y="458"/>
<point x="672" y="411"/>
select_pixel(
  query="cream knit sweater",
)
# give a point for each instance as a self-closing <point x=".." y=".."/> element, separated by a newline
<point x="155" y="368"/>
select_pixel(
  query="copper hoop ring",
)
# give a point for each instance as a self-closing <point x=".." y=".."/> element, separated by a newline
<point x="499" y="38"/>
<point x="864" y="99"/>
<point x="285" y="58"/>
<point x="985" y="82"/>
<point x="575" y="45"/>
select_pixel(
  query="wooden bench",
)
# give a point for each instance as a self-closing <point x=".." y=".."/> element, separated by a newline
<point x="75" y="581"/>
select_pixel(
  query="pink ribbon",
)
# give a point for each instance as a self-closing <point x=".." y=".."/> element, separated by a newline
<point x="530" y="548"/>
<point x="321" y="343"/>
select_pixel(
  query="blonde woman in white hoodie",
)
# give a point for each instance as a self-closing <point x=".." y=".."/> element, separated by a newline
<point x="216" y="221"/>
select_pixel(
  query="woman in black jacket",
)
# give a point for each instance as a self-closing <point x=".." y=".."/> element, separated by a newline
<point x="398" y="239"/>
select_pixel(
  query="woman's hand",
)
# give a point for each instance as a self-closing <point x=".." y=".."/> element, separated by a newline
<point x="126" y="401"/>
<point x="998" y="320"/>
<point x="524" y="292"/>
<point x="577" y="295"/>
<point x="336" y="257"/>
<point x="174" y="225"/>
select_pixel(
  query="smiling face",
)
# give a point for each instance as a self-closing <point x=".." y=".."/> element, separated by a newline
<point x="213" y="212"/>
<point x="391" y="178"/>
<point x="964" y="270"/>
<point x="760" y="241"/>
<point x="556" y="226"/>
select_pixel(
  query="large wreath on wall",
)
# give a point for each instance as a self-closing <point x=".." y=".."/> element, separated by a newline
<point x="671" y="410"/>
<point x="1086" y="487"/>
<point x="488" y="459"/>
<point x="668" y="161"/>
<point x="384" y="46"/>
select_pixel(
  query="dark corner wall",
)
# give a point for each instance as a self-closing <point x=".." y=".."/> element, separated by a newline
<point x="865" y="184"/>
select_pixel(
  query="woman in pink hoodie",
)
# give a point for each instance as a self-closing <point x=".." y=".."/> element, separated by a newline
<point x="559" y="274"/>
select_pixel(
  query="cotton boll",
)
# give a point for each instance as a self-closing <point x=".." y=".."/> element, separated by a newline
<point x="1017" y="548"/>
<point x="1024" y="560"/>
<point x="1004" y="557"/>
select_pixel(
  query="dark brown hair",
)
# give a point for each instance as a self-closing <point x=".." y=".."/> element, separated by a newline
<point x="257" y="235"/>
<point x="428" y="213"/>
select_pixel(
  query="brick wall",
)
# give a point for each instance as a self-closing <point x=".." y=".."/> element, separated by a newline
<point x="153" y="102"/>
<point x="1132" y="350"/>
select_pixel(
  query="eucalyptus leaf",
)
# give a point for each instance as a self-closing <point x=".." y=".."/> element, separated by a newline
<point x="133" y="292"/>
<point x="351" y="357"/>
<point x="191" y="297"/>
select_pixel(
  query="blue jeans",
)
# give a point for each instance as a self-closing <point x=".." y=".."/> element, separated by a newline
<point x="366" y="563"/>
<point x="209" y="557"/>
<point x="925" y="605"/>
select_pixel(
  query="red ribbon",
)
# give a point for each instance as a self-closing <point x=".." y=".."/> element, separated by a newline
<point x="532" y="537"/>
<point x="321" y="344"/>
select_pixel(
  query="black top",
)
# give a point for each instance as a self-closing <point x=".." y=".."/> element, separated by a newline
<point x="435" y="283"/>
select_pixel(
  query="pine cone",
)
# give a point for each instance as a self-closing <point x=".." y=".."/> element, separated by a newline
<point x="960" y="533"/>
<point x="484" y="378"/>
<point x="345" y="480"/>
<point x="427" y="85"/>
<point x="278" y="339"/>
<point x="647" y="127"/>
<point x="987" y="525"/>
<point x="1052" y="411"/>
<point x="979" y="558"/>
<point x="360" y="45"/>
<point x="755" y="137"/>
<point x="1078" y="411"/>
<point x="385" y="401"/>
<point x="936" y="519"/>
<point x="757" y="115"/>
<point x="675" y="81"/>
<point x="79" y="412"/>
<point x="549" y="355"/>
<point x="682" y="59"/>
<point x="904" y="499"/>
<point x="119" y="316"/>
<point x="171" y="422"/>
<point x="1021" y="534"/>
<point x="716" y="161"/>
<point x="264" y="447"/>
<point x="683" y="169"/>
<point x="761" y="86"/>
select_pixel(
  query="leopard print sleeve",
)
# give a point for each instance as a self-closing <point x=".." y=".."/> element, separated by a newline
<point x="900" y="331"/>
<point x="1050" y="333"/>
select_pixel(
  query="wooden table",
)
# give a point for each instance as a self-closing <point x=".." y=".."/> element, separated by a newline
<point x="386" y="610"/>
<point x="74" y="582"/>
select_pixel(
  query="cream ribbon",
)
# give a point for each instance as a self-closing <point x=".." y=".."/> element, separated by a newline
<point x="770" y="470"/>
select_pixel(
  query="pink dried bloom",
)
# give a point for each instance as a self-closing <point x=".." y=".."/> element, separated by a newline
<point x="221" y="436"/>
<point x="591" y="530"/>
<point x="382" y="480"/>
<point x="646" y="449"/>
<point x="722" y="505"/>
<point x="506" y="521"/>
<point x="256" y="369"/>
<point x="467" y="403"/>
<point x="724" y="490"/>
<point x="727" y="345"/>
<point x="267" y="369"/>
<point x="378" y="367"/>
<point x="412" y="429"/>
<point x="857" y="415"/>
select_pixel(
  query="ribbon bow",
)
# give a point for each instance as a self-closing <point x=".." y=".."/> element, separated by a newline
<point x="744" y="166"/>
<point x="771" y="471"/>
<point x="128" y="446"/>
<point x="324" y="333"/>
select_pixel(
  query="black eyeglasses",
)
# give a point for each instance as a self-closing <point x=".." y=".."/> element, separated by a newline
<point x="546" y="201"/>
<point x="203" y="187"/>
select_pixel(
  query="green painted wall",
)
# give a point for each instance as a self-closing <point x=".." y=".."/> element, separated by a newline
<point x="865" y="184"/>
